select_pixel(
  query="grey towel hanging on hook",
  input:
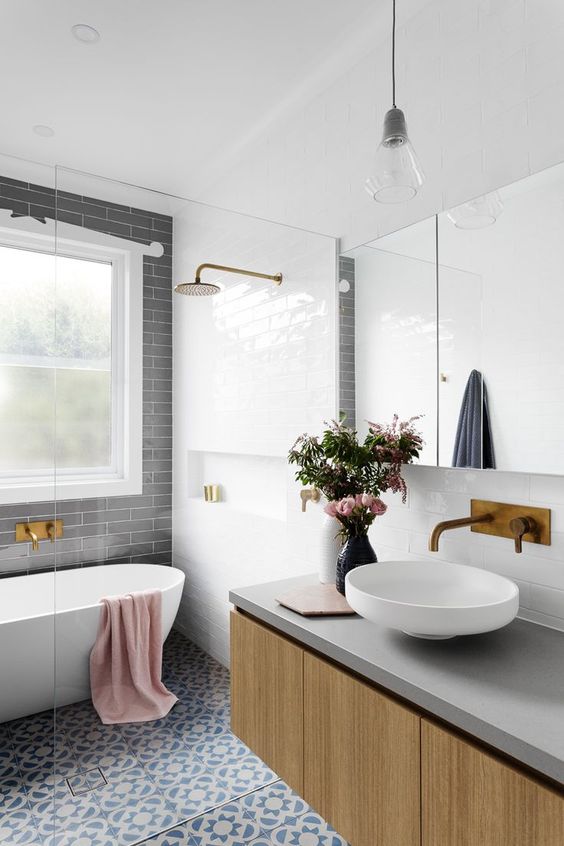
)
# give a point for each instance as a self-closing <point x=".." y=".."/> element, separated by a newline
<point x="473" y="445"/>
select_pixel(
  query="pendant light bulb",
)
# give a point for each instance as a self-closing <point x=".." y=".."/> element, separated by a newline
<point x="477" y="213"/>
<point x="398" y="176"/>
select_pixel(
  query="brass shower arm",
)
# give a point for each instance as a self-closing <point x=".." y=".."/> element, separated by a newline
<point x="276" y="278"/>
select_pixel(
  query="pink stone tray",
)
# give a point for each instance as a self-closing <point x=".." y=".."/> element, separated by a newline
<point x="316" y="601"/>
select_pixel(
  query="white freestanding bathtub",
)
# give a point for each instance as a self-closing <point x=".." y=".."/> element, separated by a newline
<point x="48" y="625"/>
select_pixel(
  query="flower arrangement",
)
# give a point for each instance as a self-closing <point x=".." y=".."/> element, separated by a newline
<point x="353" y="475"/>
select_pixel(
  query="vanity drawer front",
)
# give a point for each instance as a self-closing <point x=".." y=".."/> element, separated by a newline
<point x="361" y="758"/>
<point x="267" y="696"/>
<point x="471" y="798"/>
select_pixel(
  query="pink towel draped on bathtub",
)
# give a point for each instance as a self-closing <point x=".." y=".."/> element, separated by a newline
<point x="126" y="660"/>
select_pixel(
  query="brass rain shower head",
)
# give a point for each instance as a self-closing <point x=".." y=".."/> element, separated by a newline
<point x="197" y="288"/>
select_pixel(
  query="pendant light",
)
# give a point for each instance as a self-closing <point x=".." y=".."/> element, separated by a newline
<point x="397" y="172"/>
<point x="477" y="213"/>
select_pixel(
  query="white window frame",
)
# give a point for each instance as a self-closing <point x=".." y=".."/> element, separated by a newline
<point x="126" y="259"/>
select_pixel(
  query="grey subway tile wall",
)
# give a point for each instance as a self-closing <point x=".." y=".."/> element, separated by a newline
<point x="124" y="529"/>
<point x="347" y="397"/>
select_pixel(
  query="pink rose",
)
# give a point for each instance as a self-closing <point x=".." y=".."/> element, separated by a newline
<point x="358" y="500"/>
<point x="378" y="507"/>
<point x="331" y="509"/>
<point x="367" y="500"/>
<point x="345" y="506"/>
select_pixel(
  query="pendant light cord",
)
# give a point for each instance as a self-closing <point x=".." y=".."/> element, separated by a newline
<point x="394" y="53"/>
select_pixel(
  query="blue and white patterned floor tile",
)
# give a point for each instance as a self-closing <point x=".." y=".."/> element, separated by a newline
<point x="225" y="826"/>
<point x="203" y="793"/>
<point x="93" y="833"/>
<point x="309" y="830"/>
<point x="113" y="761"/>
<point x="163" y="744"/>
<point x="274" y="806"/>
<point x="221" y="751"/>
<point x="138" y="792"/>
<point x="89" y="738"/>
<point x="177" y="836"/>
<point x="182" y="767"/>
<point x="198" y="729"/>
<point x="18" y="829"/>
<point x="184" y="712"/>
<point x="139" y="782"/>
<point x="40" y="784"/>
<point x="131" y="824"/>
<point x="8" y="764"/>
<point x="249" y="773"/>
<point x="49" y="816"/>
<point x="13" y="795"/>
<point x="39" y="791"/>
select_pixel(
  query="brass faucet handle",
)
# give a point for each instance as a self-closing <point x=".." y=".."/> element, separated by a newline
<point x="519" y="527"/>
<point x="307" y="494"/>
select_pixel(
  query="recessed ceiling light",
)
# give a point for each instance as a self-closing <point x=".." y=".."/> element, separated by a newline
<point x="86" y="34"/>
<point x="43" y="130"/>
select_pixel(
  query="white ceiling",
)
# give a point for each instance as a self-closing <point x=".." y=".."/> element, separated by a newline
<point x="173" y="87"/>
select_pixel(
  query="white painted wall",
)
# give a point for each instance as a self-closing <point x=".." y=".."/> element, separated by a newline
<point x="253" y="367"/>
<point x="482" y="82"/>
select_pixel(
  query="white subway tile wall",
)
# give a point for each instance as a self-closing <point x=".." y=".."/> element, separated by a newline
<point x="253" y="368"/>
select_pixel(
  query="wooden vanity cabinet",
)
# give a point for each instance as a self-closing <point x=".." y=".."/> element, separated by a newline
<point x="377" y="770"/>
<point x="361" y="758"/>
<point x="267" y="697"/>
<point x="471" y="798"/>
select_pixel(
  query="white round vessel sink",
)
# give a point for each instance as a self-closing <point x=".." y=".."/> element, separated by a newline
<point x="432" y="600"/>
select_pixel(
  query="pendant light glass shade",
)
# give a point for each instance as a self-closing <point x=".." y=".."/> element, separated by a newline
<point x="478" y="213"/>
<point x="397" y="173"/>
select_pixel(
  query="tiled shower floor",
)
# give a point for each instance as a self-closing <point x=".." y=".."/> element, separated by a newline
<point x="184" y="779"/>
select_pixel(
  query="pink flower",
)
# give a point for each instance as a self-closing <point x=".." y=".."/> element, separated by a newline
<point x="331" y="509"/>
<point x="345" y="506"/>
<point x="358" y="500"/>
<point x="378" y="507"/>
<point x="367" y="500"/>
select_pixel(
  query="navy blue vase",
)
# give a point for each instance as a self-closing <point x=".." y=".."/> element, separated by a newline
<point x="356" y="552"/>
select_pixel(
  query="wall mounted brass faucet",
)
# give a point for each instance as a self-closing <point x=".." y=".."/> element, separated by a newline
<point x="309" y="494"/>
<point x="459" y="523"/>
<point x="517" y="522"/>
<point x="39" y="530"/>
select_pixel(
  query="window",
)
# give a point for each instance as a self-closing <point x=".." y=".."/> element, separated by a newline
<point x="70" y="364"/>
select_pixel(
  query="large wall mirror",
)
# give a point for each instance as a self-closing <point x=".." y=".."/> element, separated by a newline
<point x="461" y="318"/>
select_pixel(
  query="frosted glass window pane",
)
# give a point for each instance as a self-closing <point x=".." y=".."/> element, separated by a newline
<point x="27" y="419"/>
<point x="55" y="363"/>
<point x="84" y="405"/>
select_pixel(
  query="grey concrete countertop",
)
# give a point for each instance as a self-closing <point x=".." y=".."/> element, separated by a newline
<point x="505" y="688"/>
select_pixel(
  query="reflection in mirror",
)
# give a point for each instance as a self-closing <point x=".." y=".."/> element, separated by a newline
<point x="395" y="331"/>
<point x="485" y="344"/>
<point x="501" y="307"/>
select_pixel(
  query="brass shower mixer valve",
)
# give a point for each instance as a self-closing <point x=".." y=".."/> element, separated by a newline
<point x="39" y="530"/>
